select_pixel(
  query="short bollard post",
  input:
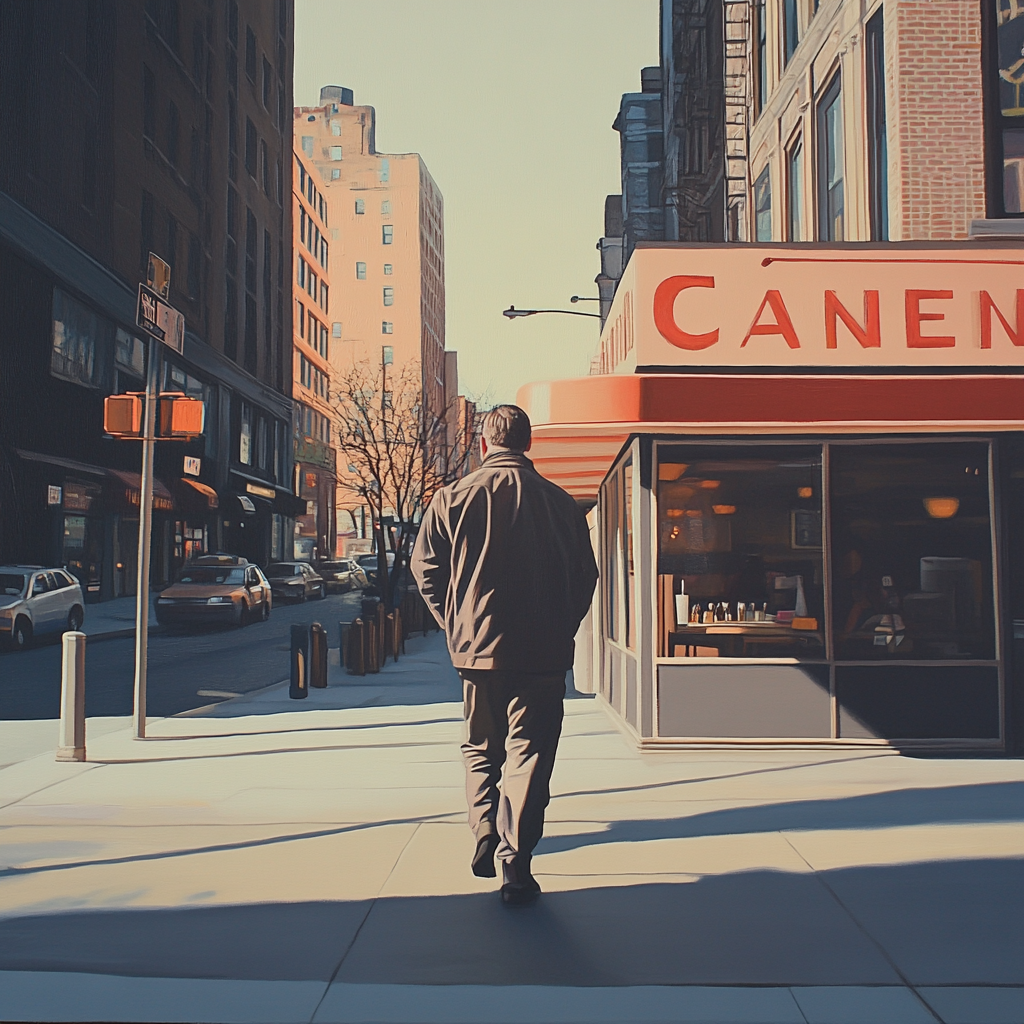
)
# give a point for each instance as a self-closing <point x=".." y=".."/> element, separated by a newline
<point x="343" y="628"/>
<point x="371" y="646"/>
<point x="382" y="651"/>
<point x="355" y="652"/>
<point x="317" y="656"/>
<point x="71" y="746"/>
<point x="298" y="687"/>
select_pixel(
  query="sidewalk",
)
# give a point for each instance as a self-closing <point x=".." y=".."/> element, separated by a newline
<point x="276" y="860"/>
<point x="114" y="618"/>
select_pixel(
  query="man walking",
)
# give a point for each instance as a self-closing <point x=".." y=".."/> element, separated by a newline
<point x="504" y="562"/>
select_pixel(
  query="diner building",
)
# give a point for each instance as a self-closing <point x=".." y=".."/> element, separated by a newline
<point x="806" y="472"/>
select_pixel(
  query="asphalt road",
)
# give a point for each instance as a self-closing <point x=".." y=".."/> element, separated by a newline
<point x="228" y="661"/>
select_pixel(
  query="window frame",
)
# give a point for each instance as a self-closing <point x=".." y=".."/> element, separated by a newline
<point x="995" y="121"/>
<point x="831" y="96"/>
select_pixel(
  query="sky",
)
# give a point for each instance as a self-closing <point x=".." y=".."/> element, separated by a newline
<point x="510" y="104"/>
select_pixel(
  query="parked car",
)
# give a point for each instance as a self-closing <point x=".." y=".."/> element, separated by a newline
<point x="216" y="589"/>
<point x="295" y="581"/>
<point x="35" y="601"/>
<point x="341" y="574"/>
<point x="368" y="563"/>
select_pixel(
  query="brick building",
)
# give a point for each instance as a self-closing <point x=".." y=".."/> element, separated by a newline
<point x="891" y="120"/>
<point x="315" y="458"/>
<point x="129" y="128"/>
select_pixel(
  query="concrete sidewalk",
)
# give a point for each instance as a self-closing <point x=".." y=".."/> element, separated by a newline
<point x="274" y="860"/>
<point x="107" y="619"/>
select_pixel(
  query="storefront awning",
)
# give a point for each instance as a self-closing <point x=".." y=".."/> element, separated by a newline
<point x="195" y="496"/>
<point x="132" y="487"/>
<point x="580" y="424"/>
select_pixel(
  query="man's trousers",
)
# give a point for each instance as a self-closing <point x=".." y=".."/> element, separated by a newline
<point x="514" y="720"/>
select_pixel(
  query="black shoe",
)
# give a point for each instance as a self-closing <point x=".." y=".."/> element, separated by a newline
<point x="483" y="859"/>
<point x="520" y="894"/>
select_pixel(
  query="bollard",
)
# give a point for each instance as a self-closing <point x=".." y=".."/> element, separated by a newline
<point x="71" y="745"/>
<point x="298" y="687"/>
<point x="317" y="656"/>
<point x="382" y="651"/>
<point x="343" y="628"/>
<point x="355" y="649"/>
<point x="371" y="646"/>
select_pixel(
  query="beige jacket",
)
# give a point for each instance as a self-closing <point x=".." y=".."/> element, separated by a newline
<point x="504" y="562"/>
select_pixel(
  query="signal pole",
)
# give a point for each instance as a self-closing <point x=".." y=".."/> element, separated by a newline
<point x="145" y="545"/>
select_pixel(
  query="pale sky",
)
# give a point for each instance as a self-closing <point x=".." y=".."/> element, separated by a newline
<point x="510" y="104"/>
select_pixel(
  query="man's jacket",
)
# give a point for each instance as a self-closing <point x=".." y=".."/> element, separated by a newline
<point x="504" y="562"/>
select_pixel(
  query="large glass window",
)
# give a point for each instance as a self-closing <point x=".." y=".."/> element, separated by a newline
<point x="82" y="342"/>
<point x="911" y="552"/>
<point x="611" y="578"/>
<point x="791" y="29"/>
<point x="1007" y="78"/>
<point x="740" y="563"/>
<point x="830" y="164"/>
<point x="628" y="568"/>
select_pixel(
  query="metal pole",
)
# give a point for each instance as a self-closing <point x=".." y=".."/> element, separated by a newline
<point x="71" y="746"/>
<point x="145" y="528"/>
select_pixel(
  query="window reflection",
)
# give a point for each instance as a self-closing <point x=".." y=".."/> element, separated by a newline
<point x="911" y="552"/>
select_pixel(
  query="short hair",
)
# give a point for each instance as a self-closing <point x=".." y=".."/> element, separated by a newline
<point x="507" y="426"/>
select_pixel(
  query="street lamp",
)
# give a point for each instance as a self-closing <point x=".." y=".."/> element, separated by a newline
<point x="512" y="312"/>
<point x="583" y="298"/>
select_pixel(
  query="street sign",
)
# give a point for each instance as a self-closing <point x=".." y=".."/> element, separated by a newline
<point x="160" y="320"/>
<point x="158" y="275"/>
<point x="192" y="465"/>
<point x="53" y="495"/>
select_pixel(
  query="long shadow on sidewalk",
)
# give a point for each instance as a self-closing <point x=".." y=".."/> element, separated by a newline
<point x="945" y="922"/>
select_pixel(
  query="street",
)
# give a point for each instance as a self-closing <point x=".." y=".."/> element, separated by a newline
<point x="183" y="667"/>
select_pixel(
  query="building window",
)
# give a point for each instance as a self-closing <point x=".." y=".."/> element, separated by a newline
<point x="761" y="55"/>
<point x="195" y="268"/>
<point x="763" y="207"/>
<point x="387" y="327"/>
<point x="250" y="53"/>
<point x="791" y="29"/>
<point x="301" y="273"/>
<point x="384" y="174"/>
<point x="1003" y="55"/>
<point x="387" y="234"/>
<point x="265" y="167"/>
<point x="312" y="329"/>
<point x="82" y="342"/>
<point x="171" y="253"/>
<point x="360" y="206"/>
<point x="360" y="271"/>
<point x="335" y="173"/>
<point x="245" y="435"/>
<point x="830" y="163"/>
<point x="250" y="147"/>
<point x="336" y="329"/>
<point x="335" y="152"/>
<point x="389" y="296"/>
<point x="387" y="269"/>
<point x="300" y="317"/>
<point x="385" y="208"/>
<point x="173" y="133"/>
<point x="878" y="171"/>
<point x="268" y="75"/>
<point x="251" y="231"/>
<point x="148" y="103"/>
<point x="795" y="190"/>
<point x="307" y="147"/>
<point x="146" y="225"/>
<point x="324" y="296"/>
<point x="387" y="355"/>
<point x="336" y="128"/>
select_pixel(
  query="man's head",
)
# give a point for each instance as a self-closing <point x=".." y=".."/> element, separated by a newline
<point x="508" y="427"/>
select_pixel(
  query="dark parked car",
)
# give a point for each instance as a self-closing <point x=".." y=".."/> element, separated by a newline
<point x="215" y="589"/>
<point x="368" y="563"/>
<point x="295" y="581"/>
<point x="341" y="574"/>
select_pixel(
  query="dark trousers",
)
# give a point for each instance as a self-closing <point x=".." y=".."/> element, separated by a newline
<point x="513" y="721"/>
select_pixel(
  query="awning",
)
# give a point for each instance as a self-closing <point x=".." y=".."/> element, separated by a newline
<point x="288" y="504"/>
<point x="132" y="485"/>
<point x="580" y="424"/>
<point x="195" y="497"/>
<point x="55" y="460"/>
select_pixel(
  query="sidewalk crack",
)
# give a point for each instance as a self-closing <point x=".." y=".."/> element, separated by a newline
<point x="366" y="917"/>
<point x="864" y="931"/>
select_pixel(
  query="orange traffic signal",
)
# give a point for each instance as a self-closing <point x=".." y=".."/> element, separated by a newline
<point x="122" y="415"/>
<point x="180" y="416"/>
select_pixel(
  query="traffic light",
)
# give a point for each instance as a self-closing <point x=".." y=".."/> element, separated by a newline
<point x="122" y="415"/>
<point x="180" y="417"/>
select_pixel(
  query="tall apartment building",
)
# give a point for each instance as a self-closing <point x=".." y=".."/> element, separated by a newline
<point x="892" y="119"/>
<point x="388" y="229"/>
<point x="386" y="237"/>
<point x="128" y="128"/>
<point x="315" y="458"/>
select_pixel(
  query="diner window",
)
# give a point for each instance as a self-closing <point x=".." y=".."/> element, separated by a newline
<point x="763" y="207"/>
<point x="795" y="190"/>
<point x="830" y="163"/>
<point x="912" y="552"/>
<point x="740" y="562"/>
<point x="1003" y="53"/>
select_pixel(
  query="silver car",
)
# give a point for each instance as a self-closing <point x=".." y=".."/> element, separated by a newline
<point x="35" y="601"/>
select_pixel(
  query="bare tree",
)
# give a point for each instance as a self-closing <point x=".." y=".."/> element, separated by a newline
<point x="398" y="451"/>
